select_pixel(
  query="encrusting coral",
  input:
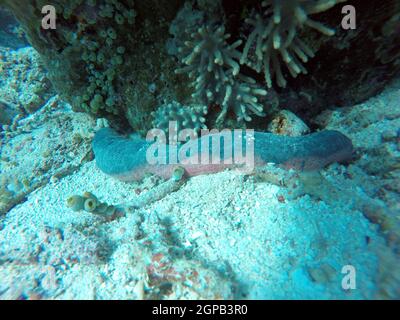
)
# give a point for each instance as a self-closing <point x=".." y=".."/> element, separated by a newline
<point x="89" y="43"/>
<point x="275" y="36"/>
<point x="102" y="55"/>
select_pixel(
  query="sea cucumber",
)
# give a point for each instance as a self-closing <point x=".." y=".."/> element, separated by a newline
<point x="125" y="158"/>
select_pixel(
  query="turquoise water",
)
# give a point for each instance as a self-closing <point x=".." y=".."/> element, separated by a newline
<point x="305" y="205"/>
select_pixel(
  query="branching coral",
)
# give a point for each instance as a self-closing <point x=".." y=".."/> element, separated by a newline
<point x="275" y="37"/>
<point x="213" y="64"/>
<point x="186" y="117"/>
<point x="241" y="96"/>
<point x="209" y="61"/>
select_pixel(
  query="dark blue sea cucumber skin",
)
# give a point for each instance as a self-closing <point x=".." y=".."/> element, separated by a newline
<point x="118" y="155"/>
<point x="322" y="145"/>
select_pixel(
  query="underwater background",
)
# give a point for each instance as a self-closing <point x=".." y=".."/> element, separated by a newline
<point x="83" y="215"/>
